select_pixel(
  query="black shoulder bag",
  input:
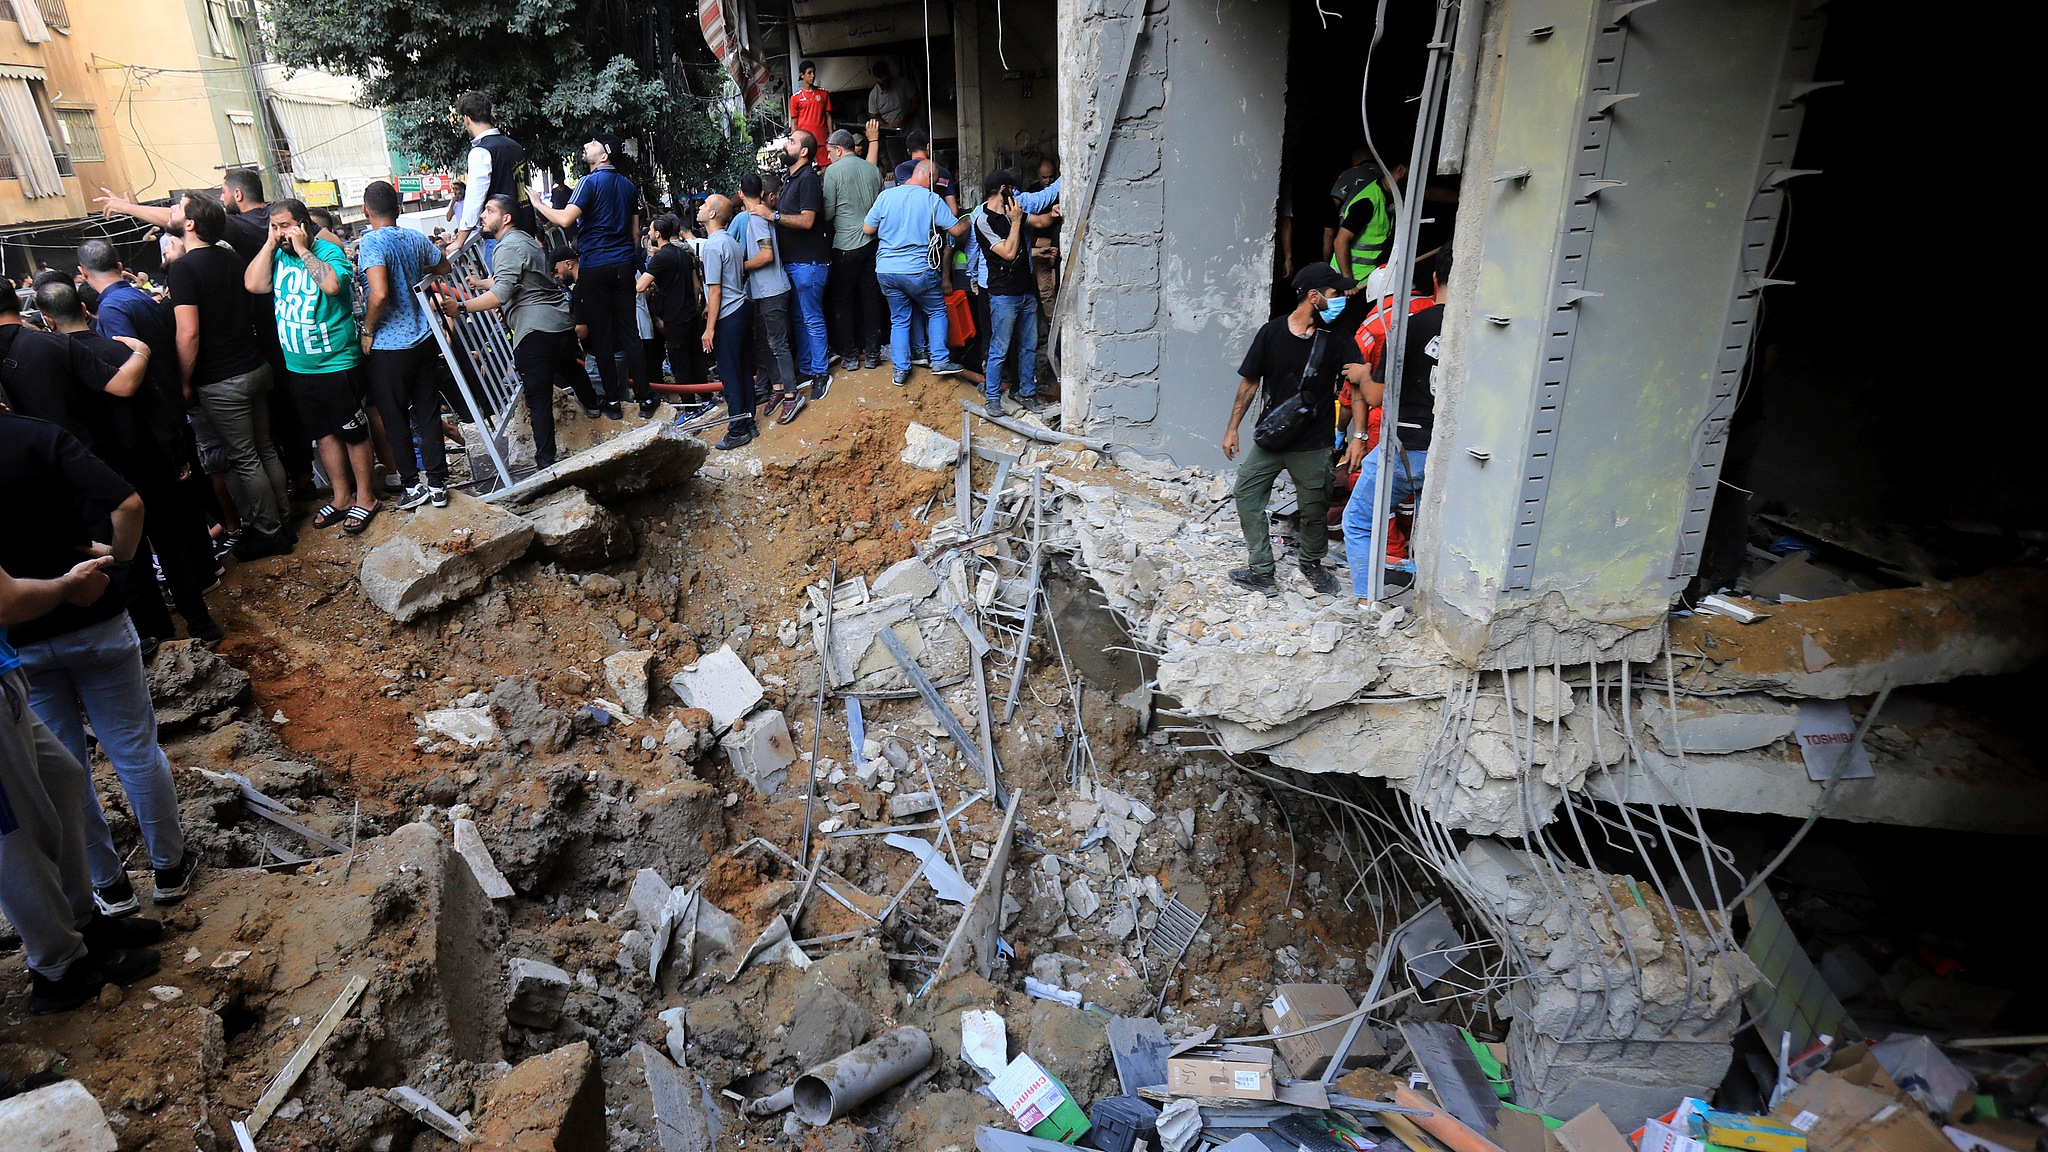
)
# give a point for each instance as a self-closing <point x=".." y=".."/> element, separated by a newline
<point x="1282" y="424"/>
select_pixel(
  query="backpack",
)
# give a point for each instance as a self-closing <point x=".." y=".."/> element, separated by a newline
<point x="1283" y="424"/>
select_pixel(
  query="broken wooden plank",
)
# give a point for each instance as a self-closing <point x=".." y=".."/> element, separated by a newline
<point x="429" y="1113"/>
<point x="974" y="940"/>
<point x="280" y="1084"/>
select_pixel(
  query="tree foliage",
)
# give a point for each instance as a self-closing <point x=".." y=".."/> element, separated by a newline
<point x="556" y="74"/>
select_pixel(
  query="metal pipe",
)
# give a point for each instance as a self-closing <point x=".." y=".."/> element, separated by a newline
<point x="837" y="1087"/>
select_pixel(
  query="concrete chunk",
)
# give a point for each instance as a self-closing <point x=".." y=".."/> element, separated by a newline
<point x="760" y="750"/>
<point x="551" y="1103"/>
<point x="626" y="674"/>
<point x="577" y="532"/>
<point x="442" y="555"/>
<point x="61" y="1117"/>
<point x="1719" y="724"/>
<point x="469" y="844"/>
<point x="911" y="577"/>
<point x="469" y="727"/>
<point x="188" y="680"/>
<point x="535" y="993"/>
<point x="912" y="804"/>
<point x="654" y="455"/>
<point x="929" y="450"/>
<point x="720" y="684"/>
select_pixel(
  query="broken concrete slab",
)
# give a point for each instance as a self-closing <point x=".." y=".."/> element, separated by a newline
<point x="911" y="577"/>
<point x="626" y="674"/>
<point x="188" y="680"/>
<point x="1719" y="724"/>
<point x="685" y="1115"/>
<point x="652" y="456"/>
<point x="761" y="751"/>
<point x="929" y="450"/>
<point x="912" y="804"/>
<point x="577" y="532"/>
<point x="469" y="844"/>
<point x="60" y="1117"/>
<point x="535" y="993"/>
<point x="720" y="684"/>
<point x="551" y="1103"/>
<point x="469" y="727"/>
<point x="442" y="555"/>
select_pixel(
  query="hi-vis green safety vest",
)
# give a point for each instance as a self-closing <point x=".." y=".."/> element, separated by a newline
<point x="1370" y="246"/>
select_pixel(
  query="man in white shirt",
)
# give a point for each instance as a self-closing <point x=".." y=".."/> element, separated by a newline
<point x="497" y="167"/>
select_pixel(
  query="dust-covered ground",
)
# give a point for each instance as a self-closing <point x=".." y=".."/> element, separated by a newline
<point x="572" y="805"/>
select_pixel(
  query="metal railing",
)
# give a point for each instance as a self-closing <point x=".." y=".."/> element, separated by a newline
<point x="478" y="349"/>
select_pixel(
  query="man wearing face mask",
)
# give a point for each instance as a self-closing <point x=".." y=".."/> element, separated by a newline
<point x="1278" y="363"/>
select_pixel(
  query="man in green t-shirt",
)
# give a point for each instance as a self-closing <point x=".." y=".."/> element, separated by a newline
<point x="307" y="279"/>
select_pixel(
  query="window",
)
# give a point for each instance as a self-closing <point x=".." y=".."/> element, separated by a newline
<point x="248" y="153"/>
<point x="54" y="13"/>
<point x="220" y="30"/>
<point x="6" y="156"/>
<point x="81" y="135"/>
<point x="31" y="136"/>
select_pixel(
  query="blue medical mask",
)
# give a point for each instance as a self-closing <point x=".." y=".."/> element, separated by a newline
<point x="1332" y="307"/>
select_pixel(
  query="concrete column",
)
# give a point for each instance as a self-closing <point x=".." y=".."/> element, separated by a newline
<point x="1619" y="201"/>
<point x="974" y="152"/>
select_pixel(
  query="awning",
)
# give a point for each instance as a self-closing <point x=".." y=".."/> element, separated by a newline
<point x="22" y="72"/>
<point x="331" y="139"/>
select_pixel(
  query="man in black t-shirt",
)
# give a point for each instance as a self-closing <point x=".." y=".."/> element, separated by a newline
<point x="224" y="373"/>
<point x="1277" y="366"/>
<point x="145" y="446"/>
<point x="1414" y="422"/>
<point x="672" y="273"/>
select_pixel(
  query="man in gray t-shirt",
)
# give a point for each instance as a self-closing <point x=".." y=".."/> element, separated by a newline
<point x="768" y="295"/>
<point x="725" y="319"/>
<point x="536" y="309"/>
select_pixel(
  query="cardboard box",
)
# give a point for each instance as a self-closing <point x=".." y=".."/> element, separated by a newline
<point x="1222" y="1070"/>
<point x="1756" y="1133"/>
<point x="1041" y="1104"/>
<point x="1840" y="1116"/>
<point x="1305" y="1005"/>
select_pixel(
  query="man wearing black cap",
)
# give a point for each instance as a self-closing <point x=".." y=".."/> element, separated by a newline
<point x="605" y="209"/>
<point x="1294" y="353"/>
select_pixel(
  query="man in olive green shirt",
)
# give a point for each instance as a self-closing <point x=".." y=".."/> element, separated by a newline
<point x="859" y="316"/>
<point x="307" y="279"/>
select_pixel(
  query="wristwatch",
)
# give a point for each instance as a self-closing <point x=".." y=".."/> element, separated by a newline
<point x="776" y="217"/>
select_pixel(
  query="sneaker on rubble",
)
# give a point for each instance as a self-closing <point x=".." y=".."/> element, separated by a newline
<point x="820" y="385"/>
<point x="994" y="407"/>
<point x="414" y="497"/>
<point x="87" y="975"/>
<point x="438" y="497"/>
<point x="174" y="882"/>
<point x="117" y="899"/>
<point x="647" y="408"/>
<point x="1256" y="581"/>
<point x="902" y="377"/>
<point x="1032" y="404"/>
<point x="736" y="436"/>
<point x="793" y="402"/>
<point x="1319" y="577"/>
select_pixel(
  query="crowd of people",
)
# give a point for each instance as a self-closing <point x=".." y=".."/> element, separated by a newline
<point x="152" y="428"/>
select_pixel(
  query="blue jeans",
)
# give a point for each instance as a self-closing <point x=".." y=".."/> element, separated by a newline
<point x="903" y="290"/>
<point x="809" y="280"/>
<point x="1359" y="546"/>
<point x="1007" y="316"/>
<point x="95" y="674"/>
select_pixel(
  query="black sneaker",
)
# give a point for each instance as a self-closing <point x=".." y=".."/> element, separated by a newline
<point x="105" y="934"/>
<point x="1319" y="577"/>
<point x="256" y="545"/>
<point x="921" y="359"/>
<point x="1032" y="404"/>
<point x="1397" y="577"/>
<point x="117" y="899"/>
<point x="1256" y="581"/>
<point x="438" y="497"/>
<point x="592" y="413"/>
<point x="206" y="630"/>
<point x="647" y="408"/>
<point x="87" y="975"/>
<point x="614" y="412"/>
<point x="735" y="437"/>
<point x="149" y="646"/>
<point x="820" y="385"/>
<point x="994" y="408"/>
<point x="172" y="883"/>
<point x="413" y="498"/>
<point x="902" y="377"/>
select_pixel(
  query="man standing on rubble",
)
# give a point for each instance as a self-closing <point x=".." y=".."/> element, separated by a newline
<point x="725" y="320"/>
<point x="73" y="949"/>
<point x="605" y="210"/>
<point x="537" y="313"/>
<point x="906" y="219"/>
<point x="1293" y="355"/>
<point x="1410" y="429"/>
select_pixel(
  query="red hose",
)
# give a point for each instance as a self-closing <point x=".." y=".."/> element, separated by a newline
<point x="686" y="389"/>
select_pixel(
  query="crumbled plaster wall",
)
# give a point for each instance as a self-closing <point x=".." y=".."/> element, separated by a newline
<point x="1171" y="278"/>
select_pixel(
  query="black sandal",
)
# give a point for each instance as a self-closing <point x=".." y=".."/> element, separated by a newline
<point x="359" y="518"/>
<point x="326" y="517"/>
